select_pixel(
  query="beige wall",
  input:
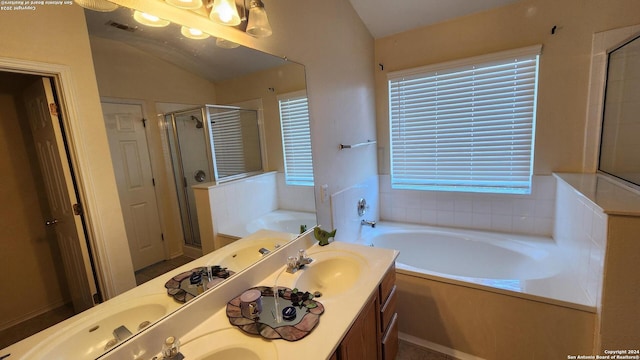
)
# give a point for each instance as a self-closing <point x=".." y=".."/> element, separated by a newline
<point x="57" y="35"/>
<point x="29" y="252"/>
<point x="127" y="73"/>
<point x="564" y="64"/>
<point x="285" y="79"/>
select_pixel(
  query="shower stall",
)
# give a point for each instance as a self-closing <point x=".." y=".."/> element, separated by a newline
<point x="210" y="144"/>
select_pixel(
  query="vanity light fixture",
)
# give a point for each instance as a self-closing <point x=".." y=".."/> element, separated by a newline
<point x="258" y="24"/>
<point x="225" y="12"/>
<point x="186" y="4"/>
<point x="192" y="33"/>
<point x="149" y="20"/>
<point x="97" y="5"/>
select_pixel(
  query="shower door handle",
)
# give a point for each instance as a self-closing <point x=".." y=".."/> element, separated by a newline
<point x="200" y="176"/>
<point x="51" y="222"/>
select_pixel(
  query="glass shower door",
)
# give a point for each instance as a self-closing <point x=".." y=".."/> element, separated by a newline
<point x="192" y="165"/>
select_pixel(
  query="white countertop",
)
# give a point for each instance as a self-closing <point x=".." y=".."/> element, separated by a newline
<point x="606" y="193"/>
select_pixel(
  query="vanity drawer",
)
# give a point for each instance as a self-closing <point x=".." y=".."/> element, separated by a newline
<point x="390" y="340"/>
<point x="388" y="309"/>
<point x="387" y="284"/>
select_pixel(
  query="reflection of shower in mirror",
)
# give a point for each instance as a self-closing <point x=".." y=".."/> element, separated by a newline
<point x="198" y="122"/>
<point x="226" y="147"/>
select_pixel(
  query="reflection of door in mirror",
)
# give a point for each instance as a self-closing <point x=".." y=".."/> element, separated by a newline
<point x="619" y="147"/>
<point x="125" y="124"/>
<point x="42" y="112"/>
<point x="35" y="233"/>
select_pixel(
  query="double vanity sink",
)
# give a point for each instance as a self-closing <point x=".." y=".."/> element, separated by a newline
<point x="344" y="274"/>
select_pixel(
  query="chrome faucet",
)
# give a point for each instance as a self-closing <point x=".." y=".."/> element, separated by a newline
<point x="171" y="349"/>
<point x="371" y="223"/>
<point x="295" y="263"/>
<point x="121" y="333"/>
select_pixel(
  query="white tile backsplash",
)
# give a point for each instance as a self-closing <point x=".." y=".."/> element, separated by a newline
<point x="240" y="201"/>
<point x="580" y="228"/>
<point x="344" y="211"/>
<point x="526" y="214"/>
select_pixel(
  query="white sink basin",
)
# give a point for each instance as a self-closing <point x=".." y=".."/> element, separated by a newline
<point x="331" y="273"/>
<point x="228" y="344"/>
<point x="88" y="339"/>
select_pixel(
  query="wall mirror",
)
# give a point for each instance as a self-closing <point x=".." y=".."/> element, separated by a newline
<point x="237" y="77"/>
<point x="620" y="145"/>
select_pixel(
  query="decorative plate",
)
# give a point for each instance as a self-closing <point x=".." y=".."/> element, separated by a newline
<point x="182" y="289"/>
<point x="308" y="313"/>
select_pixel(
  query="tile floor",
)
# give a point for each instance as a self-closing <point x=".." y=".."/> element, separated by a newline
<point x="155" y="270"/>
<point x="34" y="325"/>
<point x="408" y="351"/>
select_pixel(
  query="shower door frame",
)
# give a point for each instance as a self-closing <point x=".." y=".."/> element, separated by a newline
<point x="182" y="194"/>
<point x="181" y="184"/>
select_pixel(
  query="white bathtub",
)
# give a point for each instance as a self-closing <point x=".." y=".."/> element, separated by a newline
<point x="284" y="221"/>
<point x="278" y="220"/>
<point x="526" y="266"/>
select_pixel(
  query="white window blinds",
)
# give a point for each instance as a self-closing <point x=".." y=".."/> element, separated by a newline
<point x="465" y="125"/>
<point x="296" y="138"/>
<point x="226" y="131"/>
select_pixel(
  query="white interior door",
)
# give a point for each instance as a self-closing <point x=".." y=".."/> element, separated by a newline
<point x="132" y="166"/>
<point x="42" y="113"/>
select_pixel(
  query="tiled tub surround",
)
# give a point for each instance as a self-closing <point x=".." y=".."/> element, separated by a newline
<point x="602" y="219"/>
<point x="521" y="214"/>
<point x="595" y="235"/>
<point x="227" y="208"/>
<point x="526" y="266"/>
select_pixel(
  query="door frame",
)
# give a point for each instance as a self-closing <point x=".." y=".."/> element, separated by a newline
<point x="94" y="227"/>
<point x="149" y="136"/>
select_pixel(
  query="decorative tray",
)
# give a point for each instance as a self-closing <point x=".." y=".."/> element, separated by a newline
<point x="307" y="314"/>
<point x="189" y="284"/>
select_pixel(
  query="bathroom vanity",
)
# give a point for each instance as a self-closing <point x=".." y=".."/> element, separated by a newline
<point x="374" y="333"/>
<point x="359" y="321"/>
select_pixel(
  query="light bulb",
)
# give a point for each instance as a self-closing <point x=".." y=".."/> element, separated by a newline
<point x="225" y="12"/>
<point x="192" y="33"/>
<point x="97" y="5"/>
<point x="149" y="19"/>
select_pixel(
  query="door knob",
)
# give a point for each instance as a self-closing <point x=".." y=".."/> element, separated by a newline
<point x="51" y="222"/>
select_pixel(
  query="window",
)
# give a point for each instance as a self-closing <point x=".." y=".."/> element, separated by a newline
<point x="465" y="125"/>
<point x="296" y="138"/>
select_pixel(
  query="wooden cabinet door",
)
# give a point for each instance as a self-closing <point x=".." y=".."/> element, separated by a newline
<point x="361" y="342"/>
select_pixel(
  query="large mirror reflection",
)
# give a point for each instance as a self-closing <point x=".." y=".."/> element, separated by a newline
<point x="181" y="83"/>
<point x="147" y="76"/>
<point x="619" y="147"/>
